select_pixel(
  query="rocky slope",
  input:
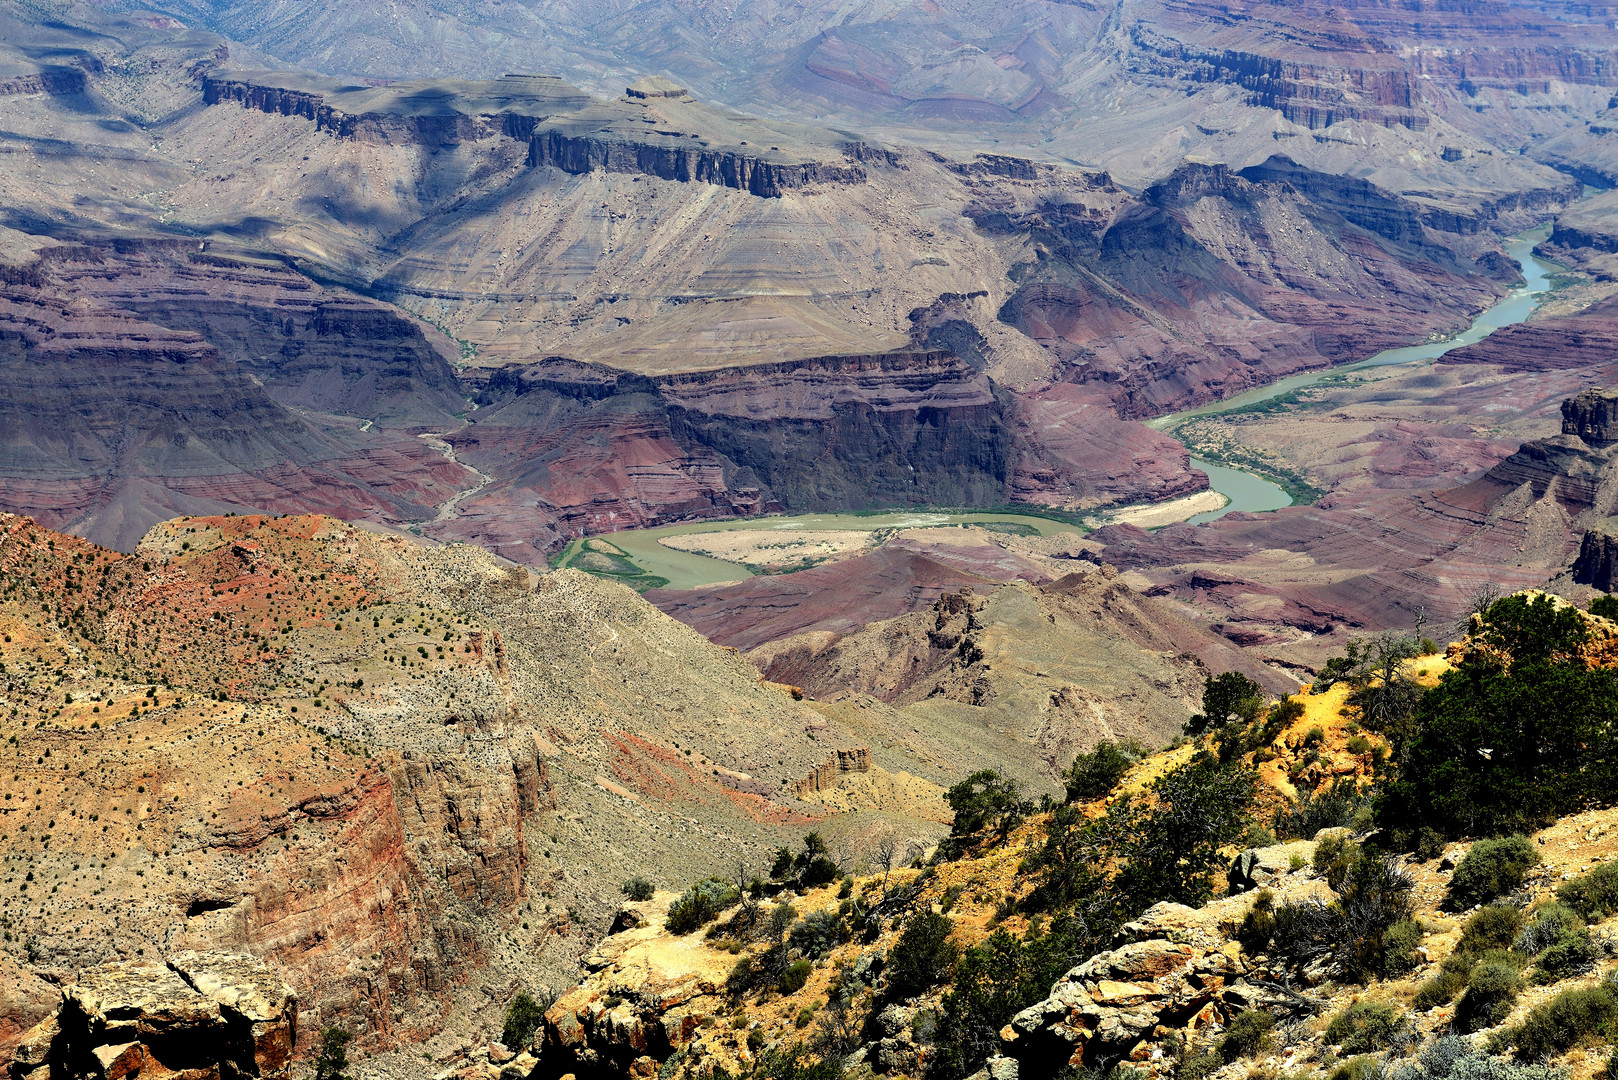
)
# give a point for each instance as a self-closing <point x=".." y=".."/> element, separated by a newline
<point x="123" y="409"/>
<point x="413" y="777"/>
<point x="404" y="776"/>
<point x="1165" y="989"/>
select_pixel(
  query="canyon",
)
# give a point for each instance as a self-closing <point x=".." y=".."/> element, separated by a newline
<point x="619" y="312"/>
<point x="326" y="329"/>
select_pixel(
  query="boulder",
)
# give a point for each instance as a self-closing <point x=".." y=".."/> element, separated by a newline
<point x="202" y="1016"/>
<point x="25" y="1001"/>
<point x="1258" y="867"/>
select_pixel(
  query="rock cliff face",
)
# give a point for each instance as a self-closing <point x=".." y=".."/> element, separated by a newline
<point x="562" y="127"/>
<point x="122" y="410"/>
<point x="1597" y="564"/>
<point x="595" y="449"/>
<point x="1592" y="416"/>
<point x="1314" y="95"/>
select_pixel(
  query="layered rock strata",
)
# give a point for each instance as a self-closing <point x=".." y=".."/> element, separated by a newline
<point x="123" y="409"/>
<point x="1380" y="560"/>
<point x="562" y="127"/>
<point x="593" y="449"/>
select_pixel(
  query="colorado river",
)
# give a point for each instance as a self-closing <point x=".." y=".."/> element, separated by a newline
<point x="1246" y="491"/>
<point x="1252" y="493"/>
<point x="687" y="569"/>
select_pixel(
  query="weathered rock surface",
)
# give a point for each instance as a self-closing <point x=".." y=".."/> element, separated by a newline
<point x="1597" y="563"/>
<point x="1177" y="968"/>
<point x="1592" y="416"/>
<point x="562" y="127"/>
<point x="647" y="994"/>
<point x="204" y="1016"/>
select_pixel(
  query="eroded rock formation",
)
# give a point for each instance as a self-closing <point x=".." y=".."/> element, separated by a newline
<point x="562" y="127"/>
<point x="1592" y="416"/>
<point x="1597" y="563"/>
<point x="202" y="1016"/>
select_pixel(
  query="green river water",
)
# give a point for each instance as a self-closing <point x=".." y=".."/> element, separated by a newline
<point x="1253" y="493"/>
<point x="1247" y="492"/>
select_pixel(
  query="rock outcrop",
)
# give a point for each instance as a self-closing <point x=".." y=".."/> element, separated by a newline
<point x="838" y="762"/>
<point x="1176" y="968"/>
<point x="562" y="126"/>
<point x="201" y="1016"/>
<point x="1592" y="416"/>
<point x="1597" y="563"/>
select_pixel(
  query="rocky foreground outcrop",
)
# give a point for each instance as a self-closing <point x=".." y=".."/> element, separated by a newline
<point x="1177" y="968"/>
<point x="197" y="1016"/>
<point x="651" y="995"/>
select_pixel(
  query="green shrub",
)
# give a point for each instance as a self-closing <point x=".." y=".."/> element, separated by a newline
<point x="332" y="1061"/>
<point x="1258" y="925"/>
<point x="1569" y="1019"/>
<point x="1493" y="927"/>
<point x="1230" y="698"/>
<point x="1095" y="774"/>
<point x="1366" y="1027"/>
<point x="818" y="933"/>
<point x="1256" y="836"/>
<point x="805" y="1017"/>
<point x="1358" y="1068"/>
<point x="1399" y="949"/>
<point x="1429" y="844"/>
<point x="1333" y="856"/>
<point x="1594" y="895"/>
<point x="1247" y="1034"/>
<point x="1491" y="991"/>
<point x="923" y="957"/>
<point x="1198" y="1066"/>
<point x="795" y="976"/>
<point x="741" y="977"/>
<point x="1560" y="941"/>
<point x="1530" y="694"/>
<point x="700" y="905"/>
<point x="986" y="801"/>
<point x="1490" y="870"/>
<point x="1332" y="807"/>
<point x="1605" y="605"/>
<point x="1366" y="931"/>
<point x="1453" y="1058"/>
<point x="523" y="1018"/>
<point x="1442" y="988"/>
<point x="637" y="888"/>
